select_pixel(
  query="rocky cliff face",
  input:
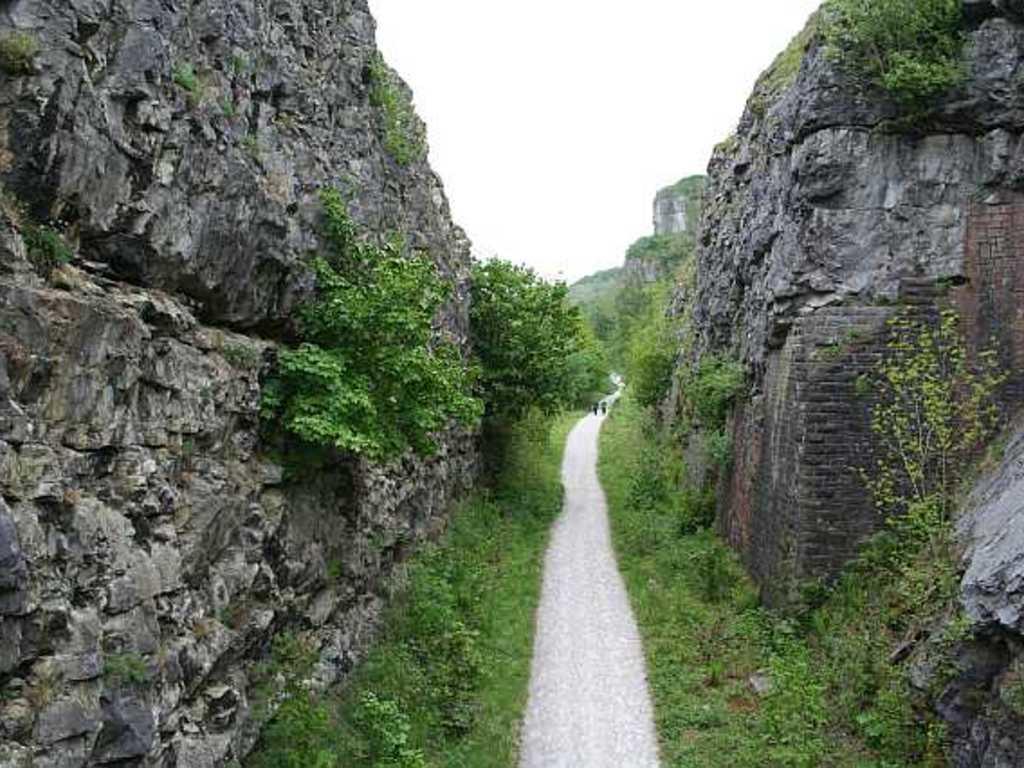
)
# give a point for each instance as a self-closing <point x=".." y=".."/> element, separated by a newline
<point x="985" y="703"/>
<point x="150" y="549"/>
<point x="824" y="214"/>
<point x="677" y="208"/>
<point x="821" y="215"/>
<point x="676" y="214"/>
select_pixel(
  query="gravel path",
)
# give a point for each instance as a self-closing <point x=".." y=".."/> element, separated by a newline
<point x="589" y="705"/>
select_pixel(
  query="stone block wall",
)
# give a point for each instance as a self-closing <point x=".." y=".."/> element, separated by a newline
<point x="795" y="505"/>
<point x="991" y="300"/>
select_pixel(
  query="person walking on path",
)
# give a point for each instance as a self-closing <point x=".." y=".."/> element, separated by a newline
<point x="589" y="703"/>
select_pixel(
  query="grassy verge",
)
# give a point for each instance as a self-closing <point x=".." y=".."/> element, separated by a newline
<point x="447" y="683"/>
<point x="833" y="692"/>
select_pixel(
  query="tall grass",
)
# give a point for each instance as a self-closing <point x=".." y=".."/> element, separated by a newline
<point x="447" y="683"/>
<point x="831" y="693"/>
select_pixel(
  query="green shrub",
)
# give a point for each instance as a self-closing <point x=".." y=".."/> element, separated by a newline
<point x="371" y="378"/>
<point x="184" y="75"/>
<point x="403" y="134"/>
<point x="301" y="735"/>
<point x="719" y="448"/>
<point x="716" y="572"/>
<point x="651" y="370"/>
<point x="527" y="337"/>
<point x="648" y="486"/>
<point x="912" y="48"/>
<point x="387" y="728"/>
<point x="17" y="50"/>
<point x="46" y="247"/>
<point x="126" y="668"/>
<point x="712" y="390"/>
<point x="935" y="409"/>
<point x="697" y="509"/>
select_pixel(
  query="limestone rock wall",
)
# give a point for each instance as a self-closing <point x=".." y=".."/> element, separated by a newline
<point x="150" y="545"/>
<point x="821" y="209"/>
<point x="825" y="214"/>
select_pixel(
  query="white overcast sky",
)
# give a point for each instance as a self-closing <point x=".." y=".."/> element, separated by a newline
<point x="554" y="122"/>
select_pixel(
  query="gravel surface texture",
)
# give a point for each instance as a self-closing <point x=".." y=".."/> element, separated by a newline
<point x="589" y="704"/>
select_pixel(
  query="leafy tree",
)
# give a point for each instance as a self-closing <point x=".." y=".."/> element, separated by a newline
<point x="934" y="410"/>
<point x="372" y="377"/>
<point x="532" y="346"/>
<point x="652" y="356"/>
<point x="912" y="48"/>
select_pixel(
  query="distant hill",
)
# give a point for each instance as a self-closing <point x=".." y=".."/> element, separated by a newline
<point x="593" y="287"/>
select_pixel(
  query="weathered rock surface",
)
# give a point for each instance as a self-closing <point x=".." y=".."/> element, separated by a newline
<point x="150" y="548"/>
<point x="677" y="208"/>
<point x="826" y="213"/>
<point x="993" y="528"/>
<point x="984" y="704"/>
<point x="185" y="146"/>
<point x="821" y="216"/>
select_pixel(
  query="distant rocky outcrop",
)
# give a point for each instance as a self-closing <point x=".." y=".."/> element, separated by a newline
<point x="676" y="215"/>
<point x="151" y="545"/>
<point x="677" y="208"/>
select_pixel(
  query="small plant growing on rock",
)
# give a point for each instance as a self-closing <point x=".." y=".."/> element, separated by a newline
<point x="935" y="410"/>
<point x="17" y="50"/>
<point x="402" y="130"/>
<point x="251" y="144"/>
<point x="44" y="687"/>
<point x="184" y="76"/>
<point x="1011" y="691"/>
<point x="46" y="247"/>
<point x="125" y="669"/>
<point x="241" y="356"/>
<point x="204" y="627"/>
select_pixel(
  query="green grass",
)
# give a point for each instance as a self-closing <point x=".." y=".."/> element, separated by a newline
<point x="835" y="698"/>
<point x="447" y="683"/>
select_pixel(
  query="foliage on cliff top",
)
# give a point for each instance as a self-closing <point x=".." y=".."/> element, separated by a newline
<point x="911" y="48"/>
<point x="533" y="346"/>
<point x="402" y="131"/>
<point x="667" y="251"/>
<point x="784" y="69"/>
<point x="371" y="376"/>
